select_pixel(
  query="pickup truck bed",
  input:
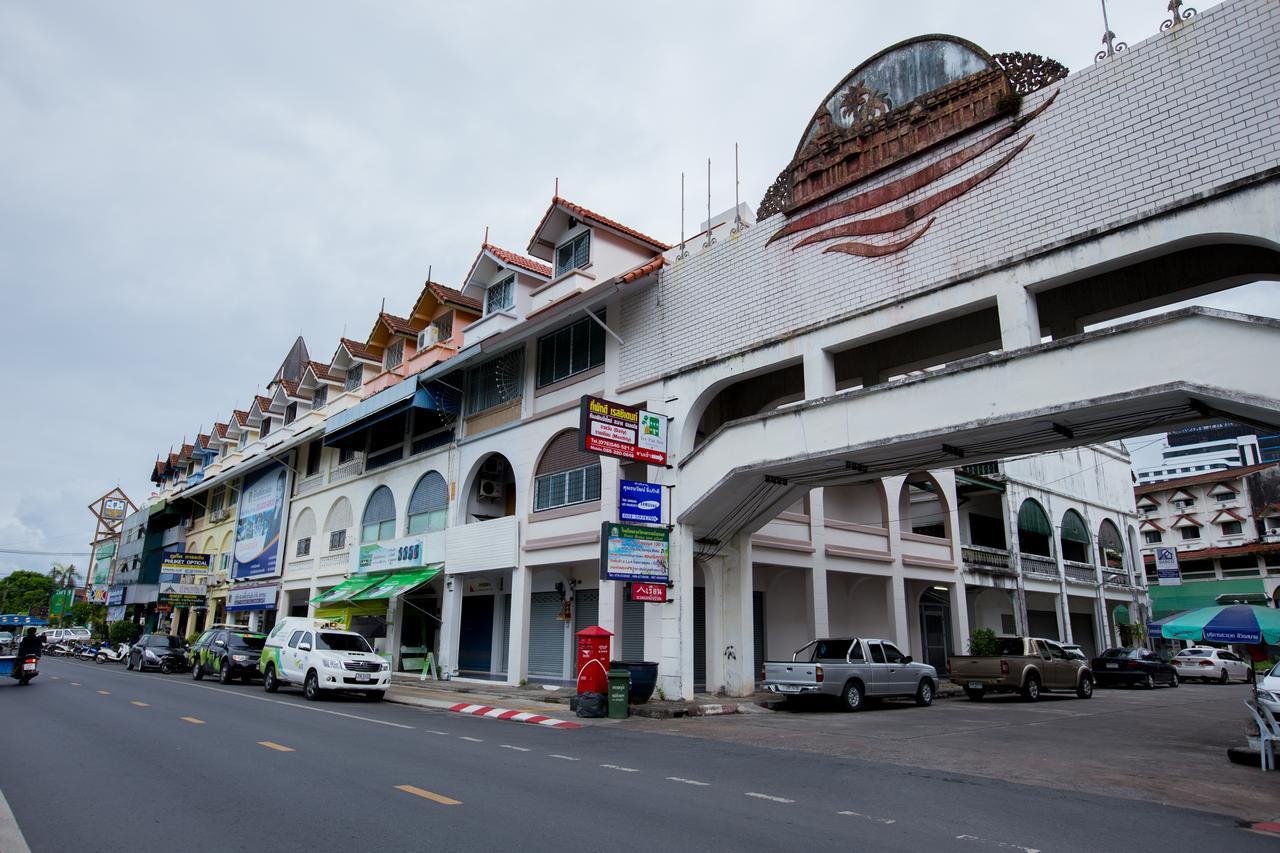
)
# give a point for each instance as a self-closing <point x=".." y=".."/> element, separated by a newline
<point x="1029" y="666"/>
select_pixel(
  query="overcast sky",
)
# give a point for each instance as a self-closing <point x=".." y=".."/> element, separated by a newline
<point x="186" y="187"/>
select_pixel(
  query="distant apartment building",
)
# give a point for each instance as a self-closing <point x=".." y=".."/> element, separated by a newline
<point x="1195" y="450"/>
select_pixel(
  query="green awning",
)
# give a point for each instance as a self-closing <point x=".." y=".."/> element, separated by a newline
<point x="1032" y="519"/>
<point x="399" y="583"/>
<point x="1190" y="595"/>
<point x="348" y="589"/>
<point x="1073" y="529"/>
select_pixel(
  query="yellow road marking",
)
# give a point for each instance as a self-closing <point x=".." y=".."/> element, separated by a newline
<point x="428" y="795"/>
<point x="105" y="692"/>
<point x="139" y="704"/>
<point x="195" y="720"/>
<point x="277" y="747"/>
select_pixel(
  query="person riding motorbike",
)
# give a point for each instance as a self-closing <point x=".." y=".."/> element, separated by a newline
<point x="30" y="646"/>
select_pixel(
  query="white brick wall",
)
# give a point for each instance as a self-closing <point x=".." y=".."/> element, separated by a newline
<point x="1172" y="119"/>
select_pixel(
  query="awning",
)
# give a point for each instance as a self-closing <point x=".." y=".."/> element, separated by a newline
<point x="1073" y="529"/>
<point x="1032" y="519"/>
<point x="396" y="585"/>
<point x="348" y="589"/>
<point x="388" y="403"/>
<point x="1191" y="595"/>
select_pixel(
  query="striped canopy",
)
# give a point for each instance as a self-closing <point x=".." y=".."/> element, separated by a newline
<point x="1228" y="623"/>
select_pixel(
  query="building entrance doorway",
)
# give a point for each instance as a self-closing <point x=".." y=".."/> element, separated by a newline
<point x="935" y="627"/>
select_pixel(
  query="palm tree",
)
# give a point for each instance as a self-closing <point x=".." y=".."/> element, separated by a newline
<point x="63" y="576"/>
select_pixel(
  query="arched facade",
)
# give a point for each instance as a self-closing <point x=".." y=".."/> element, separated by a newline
<point x="1035" y="533"/>
<point x="337" y="525"/>
<point x="1074" y="538"/>
<point x="428" y="504"/>
<point x="379" y="519"/>
<point x="858" y="503"/>
<point x="1110" y="546"/>
<point x="490" y="490"/>
<point x="923" y="508"/>
<point x="564" y="475"/>
<point x="304" y="532"/>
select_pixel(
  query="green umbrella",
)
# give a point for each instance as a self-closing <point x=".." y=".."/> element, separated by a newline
<point x="1226" y="623"/>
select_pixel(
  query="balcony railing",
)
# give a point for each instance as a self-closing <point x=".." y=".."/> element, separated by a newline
<point x="346" y="470"/>
<point x="1082" y="572"/>
<point x="307" y="485"/>
<point x="991" y="560"/>
<point x="1034" y="564"/>
<point x="1116" y="577"/>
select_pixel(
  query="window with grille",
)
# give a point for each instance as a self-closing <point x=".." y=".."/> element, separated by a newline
<point x="320" y="397"/>
<point x="1190" y="532"/>
<point x="573" y="254"/>
<point x="1231" y="528"/>
<point x="500" y="296"/>
<point x="355" y="376"/>
<point x="313" y="458"/>
<point x="233" y="494"/>
<point x="379" y="521"/>
<point x="337" y="540"/>
<point x="266" y="427"/>
<point x="290" y="412"/>
<point x="393" y="355"/>
<point x="497" y="381"/>
<point x="345" y="455"/>
<point x="304" y="546"/>
<point x="1153" y="537"/>
<point x="215" y="499"/>
<point x="565" y="476"/>
<point x="575" y="348"/>
<point x="444" y="326"/>
<point x="429" y="504"/>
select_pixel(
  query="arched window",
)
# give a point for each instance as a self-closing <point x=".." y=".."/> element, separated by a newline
<point x="1035" y="534"/>
<point x="1110" y="546"/>
<point x="1075" y="537"/>
<point x="304" y="531"/>
<point x="379" y="520"/>
<point x="565" y="474"/>
<point x="429" y="504"/>
<point x="922" y="508"/>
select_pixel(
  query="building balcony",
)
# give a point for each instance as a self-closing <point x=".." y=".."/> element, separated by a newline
<point x="483" y="545"/>
<point x="1038" y="566"/>
<point x="992" y="561"/>
<point x="567" y="284"/>
<point x="347" y="470"/>
<point x="1117" y="577"/>
<point x="1079" y="572"/>
<point x="788" y="530"/>
<point x="927" y="551"/>
<point x="857" y="541"/>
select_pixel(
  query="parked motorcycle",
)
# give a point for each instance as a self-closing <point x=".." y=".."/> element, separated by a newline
<point x="88" y="651"/>
<point x="107" y="654"/>
<point x="58" y="650"/>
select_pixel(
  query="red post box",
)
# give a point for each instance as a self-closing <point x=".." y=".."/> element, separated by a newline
<point x="593" y="660"/>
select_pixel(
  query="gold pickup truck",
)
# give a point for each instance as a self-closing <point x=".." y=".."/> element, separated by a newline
<point x="1026" y="665"/>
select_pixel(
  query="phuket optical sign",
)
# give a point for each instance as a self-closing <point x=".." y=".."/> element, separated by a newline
<point x="626" y="432"/>
<point x="183" y="579"/>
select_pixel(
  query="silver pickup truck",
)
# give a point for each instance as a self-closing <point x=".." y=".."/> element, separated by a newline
<point x="852" y="669"/>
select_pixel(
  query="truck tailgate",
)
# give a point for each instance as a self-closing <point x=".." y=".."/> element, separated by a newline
<point x="786" y="674"/>
<point x="965" y="668"/>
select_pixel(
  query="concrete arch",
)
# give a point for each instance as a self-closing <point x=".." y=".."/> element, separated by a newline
<point x="305" y="526"/>
<point x="1073" y="550"/>
<point x="1110" y="539"/>
<point x="379" y="509"/>
<point x="917" y="510"/>
<point x="783" y="373"/>
<point x="339" y="517"/>
<point x="857" y="503"/>
<point x="1033" y="540"/>
<point x="425" y="498"/>
<point x="209" y="545"/>
<point x="555" y="445"/>
<point x="471" y="507"/>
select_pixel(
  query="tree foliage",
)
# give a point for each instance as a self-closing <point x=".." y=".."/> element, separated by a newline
<point x="23" y="590"/>
<point x="982" y="643"/>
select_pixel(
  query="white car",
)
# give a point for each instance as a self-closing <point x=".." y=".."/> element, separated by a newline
<point x="321" y="657"/>
<point x="66" y="635"/>
<point x="1269" y="691"/>
<point x="1209" y="664"/>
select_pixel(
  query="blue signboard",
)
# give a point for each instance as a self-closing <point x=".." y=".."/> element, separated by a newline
<point x="261" y="518"/>
<point x="639" y="503"/>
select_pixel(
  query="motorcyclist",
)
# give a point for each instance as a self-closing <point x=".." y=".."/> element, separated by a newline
<point x="30" y="646"/>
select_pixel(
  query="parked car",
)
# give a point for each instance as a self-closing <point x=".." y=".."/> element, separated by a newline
<point x="1269" y="691"/>
<point x="1074" y="651"/>
<point x="1132" y="667"/>
<point x="1210" y="664"/>
<point x="66" y="635"/>
<point x="157" y="651"/>
<point x="852" y="669"/>
<point x="1026" y="665"/>
<point x="321" y="657"/>
<point x="227" y="653"/>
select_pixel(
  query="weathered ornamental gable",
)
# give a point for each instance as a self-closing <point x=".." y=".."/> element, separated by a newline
<point x="1183" y="115"/>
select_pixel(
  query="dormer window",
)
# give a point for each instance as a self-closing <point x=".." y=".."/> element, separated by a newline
<point x="501" y="296"/>
<point x="266" y="427"/>
<point x="244" y="438"/>
<point x="574" y="254"/>
<point x="290" y="412"/>
<point x="320" y="397"/>
<point x="355" y="376"/>
<point x="394" y="355"/>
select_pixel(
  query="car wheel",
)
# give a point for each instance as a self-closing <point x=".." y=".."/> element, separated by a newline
<point x="974" y="695"/>
<point x="1149" y="682"/>
<point x="851" y="698"/>
<point x="1085" y="689"/>
<point x="166" y="666"/>
<point x="197" y="671"/>
<point x="311" y="687"/>
<point x="374" y="695"/>
<point x="1173" y="680"/>
<point x="1223" y="678"/>
<point x="924" y="693"/>
<point x="224" y="672"/>
<point x="269" y="681"/>
<point x="1031" y="690"/>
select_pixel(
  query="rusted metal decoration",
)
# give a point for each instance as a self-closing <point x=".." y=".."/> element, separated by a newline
<point x="1110" y="46"/>
<point x="1179" y="15"/>
<point x="1030" y="72"/>
<point x="777" y="198"/>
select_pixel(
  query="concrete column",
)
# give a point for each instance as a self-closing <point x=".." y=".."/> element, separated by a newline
<point x="960" y="618"/>
<point x="819" y="374"/>
<point x="518" y="642"/>
<point x="450" y="614"/>
<point x="395" y="625"/>
<point x="610" y="617"/>
<point x="668" y="628"/>
<point x="817" y="613"/>
<point x="896" y="595"/>
<point x="737" y="648"/>
<point x="714" y="572"/>
<point x="1019" y="318"/>
<point x="255" y="619"/>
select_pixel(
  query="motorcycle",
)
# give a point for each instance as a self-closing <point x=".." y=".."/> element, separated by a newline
<point x="106" y="654"/>
<point x="25" y="669"/>
<point x="57" y="650"/>
<point x="89" y="651"/>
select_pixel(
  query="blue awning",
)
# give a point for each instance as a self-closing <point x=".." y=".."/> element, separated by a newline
<point x="388" y="403"/>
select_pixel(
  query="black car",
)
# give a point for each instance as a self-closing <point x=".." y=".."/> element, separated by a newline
<point x="157" y="651"/>
<point x="1134" y="667"/>
<point x="227" y="653"/>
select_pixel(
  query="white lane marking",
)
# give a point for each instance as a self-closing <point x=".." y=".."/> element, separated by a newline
<point x="11" y="839"/>
<point x="769" y="797"/>
<point x="472" y="739"/>
<point x="1003" y="844"/>
<point x="562" y="757"/>
<point x="885" y="820"/>
<point x="623" y="769"/>
<point x="688" y="781"/>
<point x="516" y="748"/>
<point x="436" y="732"/>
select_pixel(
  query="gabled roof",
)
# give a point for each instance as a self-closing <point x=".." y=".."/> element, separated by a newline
<point x="396" y="325"/>
<point x="173" y="459"/>
<point x="1150" y="499"/>
<point x="491" y="260"/>
<point x="1182" y="495"/>
<point x="242" y="418"/>
<point x="1268" y="510"/>
<point x="1231" y="515"/>
<point x="1186" y="520"/>
<point x="220" y="429"/>
<point x="1148" y="523"/>
<point x="202" y="441"/>
<point x="449" y="296"/>
<point x="263" y="403"/>
<point x="1207" y="477"/>
<point x="513" y="260"/>
<point x="542" y="248"/>
<point x="357" y="351"/>
<point x="324" y="373"/>
<point x="290" y="388"/>
<point x="643" y="270"/>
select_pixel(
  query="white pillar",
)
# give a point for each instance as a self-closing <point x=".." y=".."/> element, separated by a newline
<point x="518" y="642"/>
<point x="450" y="615"/>
<point x="816" y="608"/>
<point x="610" y="616"/>
<point x="668" y="628"/>
<point x="1019" y="318"/>
<point x="960" y="618"/>
<point x="819" y="374"/>
<point x="395" y="625"/>
<point x="896" y="601"/>
<point x="737" y="649"/>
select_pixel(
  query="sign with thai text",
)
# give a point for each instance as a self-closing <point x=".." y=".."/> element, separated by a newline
<point x="632" y="553"/>
<point x="256" y="597"/>
<point x="183" y="579"/>
<point x="651" y="592"/>
<point x="258" y="527"/>
<point x="639" y="503"/>
<point x="625" y="432"/>
<point x="1167" y="567"/>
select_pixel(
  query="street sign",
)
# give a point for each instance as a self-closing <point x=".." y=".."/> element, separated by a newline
<point x="639" y="503"/>
<point x="1167" y="567"/>
<point x="629" y="552"/>
<point x="651" y="592"/>
<point x="614" y="429"/>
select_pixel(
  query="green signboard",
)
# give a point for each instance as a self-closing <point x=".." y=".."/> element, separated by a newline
<point x="61" y="602"/>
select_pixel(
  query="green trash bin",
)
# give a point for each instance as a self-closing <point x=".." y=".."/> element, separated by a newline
<point x="619" y="691"/>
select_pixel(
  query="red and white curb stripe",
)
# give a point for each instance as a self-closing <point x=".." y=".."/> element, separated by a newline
<point x="515" y="716"/>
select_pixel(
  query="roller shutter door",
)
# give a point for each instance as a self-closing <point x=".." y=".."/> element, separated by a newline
<point x="699" y="638"/>
<point x="546" y="636"/>
<point x="633" y="630"/>
<point x="586" y="609"/>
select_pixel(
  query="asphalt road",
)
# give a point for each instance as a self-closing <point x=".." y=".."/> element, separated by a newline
<point x="101" y="759"/>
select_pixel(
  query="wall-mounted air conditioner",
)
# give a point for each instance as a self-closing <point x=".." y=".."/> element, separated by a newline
<point x="430" y="336"/>
<point x="490" y="490"/>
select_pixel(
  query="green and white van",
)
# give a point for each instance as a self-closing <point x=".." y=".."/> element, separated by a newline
<point x="320" y="657"/>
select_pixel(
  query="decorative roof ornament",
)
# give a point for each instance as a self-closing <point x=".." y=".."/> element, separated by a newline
<point x="1179" y="15"/>
<point x="1109" y="39"/>
<point x="1030" y="72"/>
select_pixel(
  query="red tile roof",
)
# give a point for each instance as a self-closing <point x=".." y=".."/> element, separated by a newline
<point x="359" y="351"/>
<point x="264" y="403"/>
<point x="448" y="294"/>
<point x="1225" y="551"/>
<point x="202" y="440"/>
<point x="290" y="388"/>
<point x="220" y="429"/>
<point x="186" y="452"/>
<point x="512" y="259"/>
<point x="642" y="270"/>
<point x="1147" y="522"/>
<point x="399" y="325"/>
<point x="173" y="459"/>
<point x="1230" y="513"/>
<point x="322" y="371"/>
<point x="588" y="215"/>
<point x="1208" y="477"/>
<point x="242" y="418"/>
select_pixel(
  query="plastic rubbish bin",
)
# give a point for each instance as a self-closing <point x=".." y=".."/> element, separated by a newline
<point x="619" y="688"/>
<point x="644" y="678"/>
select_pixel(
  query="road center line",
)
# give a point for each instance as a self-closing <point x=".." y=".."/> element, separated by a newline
<point x="277" y="747"/>
<point x="516" y="748"/>
<point x="139" y="704"/>
<point x="105" y="692"/>
<point x="293" y="705"/>
<point x="436" y="732"/>
<point x="768" y="797"/>
<point x="195" y="720"/>
<point x="1006" y="845"/>
<point x="429" y="795"/>
<point x="688" y="781"/>
<point x="75" y="684"/>
<point x="472" y="739"/>
<point x="562" y="757"/>
<point x="623" y="769"/>
<point x="885" y="820"/>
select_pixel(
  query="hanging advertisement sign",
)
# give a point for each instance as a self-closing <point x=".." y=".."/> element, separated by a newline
<point x="612" y="429"/>
<point x="258" y="538"/>
<point x="97" y="594"/>
<point x="390" y="555"/>
<point x="639" y="503"/>
<point x="115" y="597"/>
<point x="184" y="579"/>
<point x="254" y="597"/>
<point x="102" y="557"/>
<point x="651" y="592"/>
<point x="113" y="509"/>
<point x="632" y="553"/>
<point x="115" y="613"/>
<point x="1167" y="567"/>
<point x="61" y="602"/>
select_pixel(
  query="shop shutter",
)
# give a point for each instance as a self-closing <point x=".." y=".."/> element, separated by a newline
<point x="699" y="638"/>
<point x="633" y="630"/>
<point x="506" y="631"/>
<point x="586" y="609"/>
<point x="757" y="631"/>
<point x="546" y="636"/>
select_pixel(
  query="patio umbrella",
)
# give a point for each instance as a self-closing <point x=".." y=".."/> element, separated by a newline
<point x="1226" y="623"/>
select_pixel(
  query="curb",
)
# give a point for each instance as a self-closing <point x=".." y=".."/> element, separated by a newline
<point x="513" y="716"/>
<point x="678" y="711"/>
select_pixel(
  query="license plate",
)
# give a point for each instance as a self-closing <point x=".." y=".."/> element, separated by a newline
<point x="1113" y="666"/>
<point x="362" y="676"/>
<point x="975" y="685"/>
<point x="30" y="667"/>
<point x="789" y="688"/>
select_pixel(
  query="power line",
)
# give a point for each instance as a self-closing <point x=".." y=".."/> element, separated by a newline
<point x="23" y="553"/>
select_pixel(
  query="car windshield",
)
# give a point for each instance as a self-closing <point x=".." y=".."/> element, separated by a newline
<point x="165" y="641"/>
<point x="1008" y="646"/>
<point x="1194" y="653"/>
<point x="1120" y="653"/>
<point x="335" y="642"/>
<point x="242" y="641"/>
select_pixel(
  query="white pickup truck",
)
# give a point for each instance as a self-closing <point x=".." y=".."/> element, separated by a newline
<point x="852" y="668"/>
<point x="321" y="657"/>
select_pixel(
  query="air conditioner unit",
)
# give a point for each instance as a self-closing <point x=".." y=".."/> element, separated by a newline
<point x="493" y="465"/>
<point x="430" y="336"/>
<point x="490" y="490"/>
